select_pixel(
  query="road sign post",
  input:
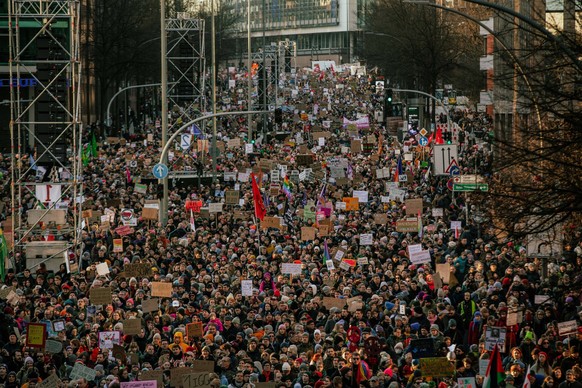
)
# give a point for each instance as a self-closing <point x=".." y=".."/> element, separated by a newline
<point x="160" y="171"/>
<point x="444" y="156"/>
<point x="470" y="187"/>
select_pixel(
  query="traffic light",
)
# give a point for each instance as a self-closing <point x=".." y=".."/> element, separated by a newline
<point x="388" y="102"/>
<point x="448" y="137"/>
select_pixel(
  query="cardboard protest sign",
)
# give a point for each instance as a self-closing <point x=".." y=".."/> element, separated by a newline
<point x="333" y="302"/>
<point x="100" y="295"/>
<point x="231" y="197"/>
<point x="436" y="367"/>
<point x="323" y="230"/>
<point x="380" y="219"/>
<point x="307" y="233"/>
<point x="413" y="206"/>
<point x="162" y="289"/>
<point x="155" y="375"/>
<point x="407" y="225"/>
<point x="149" y="214"/>
<point x="202" y="366"/>
<point x="137" y="270"/>
<point x="177" y="375"/>
<point x="150" y="305"/>
<point x="444" y="270"/>
<point x="118" y="352"/>
<point x="52" y="381"/>
<point x="271" y="222"/>
<point x="196" y="380"/>
<point x="194" y="330"/>
<point x="132" y="326"/>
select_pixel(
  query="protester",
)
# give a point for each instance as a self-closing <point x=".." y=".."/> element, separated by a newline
<point x="337" y="297"/>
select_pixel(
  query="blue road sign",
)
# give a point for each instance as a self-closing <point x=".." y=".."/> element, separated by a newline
<point x="160" y="171"/>
<point x="454" y="170"/>
<point x="423" y="141"/>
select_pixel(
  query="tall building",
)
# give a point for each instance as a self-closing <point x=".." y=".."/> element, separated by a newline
<point x="321" y="29"/>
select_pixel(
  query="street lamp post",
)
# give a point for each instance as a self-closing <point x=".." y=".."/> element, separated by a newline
<point x="164" y="118"/>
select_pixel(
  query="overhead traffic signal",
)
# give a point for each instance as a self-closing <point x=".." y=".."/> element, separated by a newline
<point x="388" y="102"/>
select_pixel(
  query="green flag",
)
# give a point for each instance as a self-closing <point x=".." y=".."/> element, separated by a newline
<point x="85" y="155"/>
<point x="93" y="145"/>
<point x="3" y="255"/>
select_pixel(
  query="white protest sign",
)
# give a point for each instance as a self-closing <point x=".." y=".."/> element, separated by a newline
<point x="80" y="371"/>
<point x="366" y="239"/>
<point x="290" y="269"/>
<point x="102" y="269"/>
<point x="362" y="196"/>
<point x="437" y="212"/>
<point x="246" y="287"/>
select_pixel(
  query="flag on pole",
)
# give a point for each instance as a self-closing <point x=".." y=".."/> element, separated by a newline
<point x="3" y="255"/>
<point x="321" y="197"/>
<point x="85" y="155"/>
<point x="93" y="149"/>
<point x="260" y="210"/>
<point x="526" y="382"/>
<point x="192" y="224"/>
<point x="495" y="375"/>
<point x="326" y="255"/>
<point x="398" y="169"/>
<point x="287" y="187"/>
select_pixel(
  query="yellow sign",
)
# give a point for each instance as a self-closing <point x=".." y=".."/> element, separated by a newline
<point x="36" y="335"/>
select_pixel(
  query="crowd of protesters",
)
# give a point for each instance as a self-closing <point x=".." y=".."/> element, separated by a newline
<point x="285" y="332"/>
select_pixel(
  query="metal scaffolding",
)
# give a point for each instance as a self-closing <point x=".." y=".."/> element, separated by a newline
<point x="185" y="63"/>
<point x="267" y="77"/>
<point x="287" y="56"/>
<point x="45" y="129"/>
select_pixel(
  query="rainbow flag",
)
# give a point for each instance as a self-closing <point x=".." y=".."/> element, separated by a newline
<point x="287" y="187"/>
<point x="398" y="171"/>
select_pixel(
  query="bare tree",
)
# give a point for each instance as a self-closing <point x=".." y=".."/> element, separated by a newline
<point x="419" y="47"/>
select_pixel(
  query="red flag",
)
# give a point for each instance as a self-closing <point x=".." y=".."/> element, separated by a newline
<point x="260" y="210"/>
